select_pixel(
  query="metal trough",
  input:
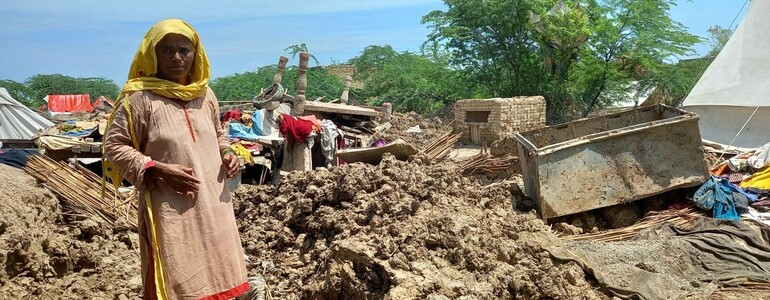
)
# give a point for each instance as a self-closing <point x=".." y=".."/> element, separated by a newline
<point x="612" y="159"/>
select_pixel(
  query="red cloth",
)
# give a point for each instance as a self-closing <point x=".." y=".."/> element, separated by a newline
<point x="231" y="115"/>
<point x="296" y="129"/>
<point x="69" y="103"/>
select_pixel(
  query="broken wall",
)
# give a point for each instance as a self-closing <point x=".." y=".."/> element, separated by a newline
<point x="488" y="120"/>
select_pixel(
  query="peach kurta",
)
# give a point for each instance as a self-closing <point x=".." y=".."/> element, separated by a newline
<point x="200" y="249"/>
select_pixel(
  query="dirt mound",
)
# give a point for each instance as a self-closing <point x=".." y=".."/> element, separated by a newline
<point x="504" y="146"/>
<point x="399" y="231"/>
<point x="47" y="257"/>
<point x="431" y="128"/>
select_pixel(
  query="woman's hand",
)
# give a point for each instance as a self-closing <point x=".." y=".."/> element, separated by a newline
<point x="178" y="177"/>
<point x="232" y="164"/>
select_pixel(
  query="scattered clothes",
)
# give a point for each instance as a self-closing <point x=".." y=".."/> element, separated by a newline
<point x="246" y="120"/>
<point x="741" y="203"/>
<point x="761" y="217"/>
<point x="313" y="119"/>
<point x="738" y="164"/>
<point x="737" y="189"/>
<point x="735" y="177"/>
<point x="762" y="204"/>
<point x="328" y="141"/>
<point x="231" y="115"/>
<point x="256" y="118"/>
<point x="720" y="169"/>
<point x="760" y="158"/>
<point x="758" y="181"/>
<point x="717" y="196"/>
<point x="16" y="158"/>
<point x="241" y="131"/>
<point x="242" y="152"/>
<point x="296" y="129"/>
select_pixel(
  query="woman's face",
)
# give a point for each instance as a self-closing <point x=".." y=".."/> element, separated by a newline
<point x="175" y="54"/>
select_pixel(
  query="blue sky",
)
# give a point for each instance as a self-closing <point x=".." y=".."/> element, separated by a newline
<point x="90" y="38"/>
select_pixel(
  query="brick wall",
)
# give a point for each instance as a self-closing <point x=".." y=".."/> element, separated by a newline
<point x="507" y="116"/>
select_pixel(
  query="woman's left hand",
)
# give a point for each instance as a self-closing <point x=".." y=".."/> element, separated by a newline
<point x="232" y="165"/>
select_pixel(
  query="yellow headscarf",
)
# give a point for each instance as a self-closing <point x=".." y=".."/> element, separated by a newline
<point x="141" y="77"/>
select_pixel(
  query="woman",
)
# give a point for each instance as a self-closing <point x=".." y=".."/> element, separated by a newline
<point x="165" y="137"/>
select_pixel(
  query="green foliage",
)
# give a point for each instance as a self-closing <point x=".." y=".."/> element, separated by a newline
<point x="411" y="82"/>
<point x="580" y="55"/>
<point x="244" y="86"/>
<point x="42" y="85"/>
<point x="718" y="37"/>
<point x="296" y="49"/>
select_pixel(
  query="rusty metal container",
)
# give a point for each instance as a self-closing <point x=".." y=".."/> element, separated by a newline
<point x="612" y="159"/>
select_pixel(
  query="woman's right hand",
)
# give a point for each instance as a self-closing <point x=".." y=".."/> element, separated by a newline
<point x="178" y="177"/>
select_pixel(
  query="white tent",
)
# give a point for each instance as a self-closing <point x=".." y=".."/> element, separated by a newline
<point x="736" y="86"/>
<point x="18" y="122"/>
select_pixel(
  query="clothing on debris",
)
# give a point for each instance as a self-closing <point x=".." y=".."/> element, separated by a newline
<point x="328" y="141"/>
<point x="15" y="157"/>
<point x="717" y="196"/>
<point x="296" y="129"/>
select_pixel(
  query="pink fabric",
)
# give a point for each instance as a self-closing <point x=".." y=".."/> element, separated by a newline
<point x="201" y="251"/>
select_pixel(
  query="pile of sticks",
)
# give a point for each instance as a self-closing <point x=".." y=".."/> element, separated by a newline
<point x="485" y="163"/>
<point x="81" y="190"/>
<point x="440" y="147"/>
<point x="680" y="217"/>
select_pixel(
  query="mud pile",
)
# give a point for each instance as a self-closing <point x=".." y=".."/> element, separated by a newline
<point x="399" y="231"/>
<point x="431" y="128"/>
<point x="45" y="256"/>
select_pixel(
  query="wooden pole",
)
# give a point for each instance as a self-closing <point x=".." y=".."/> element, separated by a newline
<point x="346" y="90"/>
<point x="299" y="99"/>
<point x="279" y="72"/>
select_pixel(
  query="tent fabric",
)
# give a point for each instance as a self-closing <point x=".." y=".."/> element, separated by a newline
<point x="18" y="121"/>
<point x="736" y="85"/>
<point x="104" y="103"/>
<point x="69" y="103"/>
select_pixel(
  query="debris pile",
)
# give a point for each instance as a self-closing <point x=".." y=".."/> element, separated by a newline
<point x="430" y="129"/>
<point x="48" y="254"/>
<point x="399" y="230"/>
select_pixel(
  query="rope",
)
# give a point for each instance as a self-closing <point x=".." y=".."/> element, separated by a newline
<point x="739" y="131"/>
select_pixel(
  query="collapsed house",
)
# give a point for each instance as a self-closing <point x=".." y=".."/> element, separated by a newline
<point x="18" y="123"/>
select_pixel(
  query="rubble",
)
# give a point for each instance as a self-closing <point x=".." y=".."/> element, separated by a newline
<point x="399" y="230"/>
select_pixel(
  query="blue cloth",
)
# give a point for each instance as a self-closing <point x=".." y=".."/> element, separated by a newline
<point x="80" y="133"/>
<point x="256" y="119"/>
<point x="737" y="189"/>
<point x="16" y="158"/>
<point x="717" y="196"/>
<point x="241" y="131"/>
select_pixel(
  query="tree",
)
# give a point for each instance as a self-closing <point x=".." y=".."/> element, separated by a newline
<point x="244" y="86"/>
<point x="19" y="92"/>
<point x="42" y="85"/>
<point x="592" y="49"/>
<point x="296" y="49"/>
<point x="411" y="82"/>
<point x="718" y="37"/>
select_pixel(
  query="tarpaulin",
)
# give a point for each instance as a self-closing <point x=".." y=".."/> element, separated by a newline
<point x="711" y="252"/>
<point x="69" y="103"/>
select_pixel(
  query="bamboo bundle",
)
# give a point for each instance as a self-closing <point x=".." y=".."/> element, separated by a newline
<point x="485" y="163"/>
<point x="81" y="189"/>
<point x="440" y="147"/>
<point x="679" y="217"/>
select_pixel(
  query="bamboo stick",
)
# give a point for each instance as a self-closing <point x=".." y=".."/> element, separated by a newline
<point x="80" y="189"/>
